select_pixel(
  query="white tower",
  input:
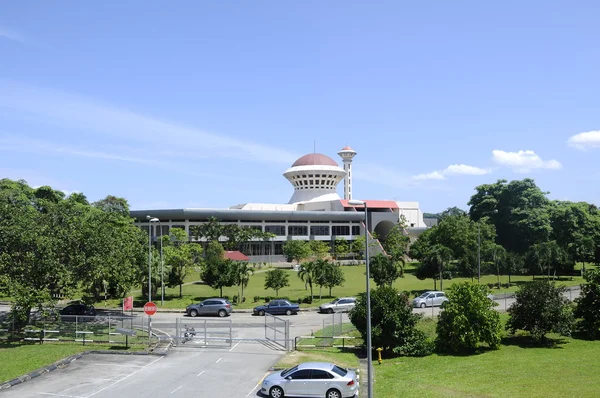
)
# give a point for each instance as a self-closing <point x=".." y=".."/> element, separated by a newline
<point x="315" y="177"/>
<point x="347" y="154"/>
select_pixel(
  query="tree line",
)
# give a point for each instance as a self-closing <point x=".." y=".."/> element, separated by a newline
<point x="511" y="228"/>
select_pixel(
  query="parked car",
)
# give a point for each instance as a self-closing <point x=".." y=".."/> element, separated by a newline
<point x="429" y="299"/>
<point x="78" y="309"/>
<point x="342" y="304"/>
<point x="311" y="379"/>
<point x="277" y="307"/>
<point x="213" y="306"/>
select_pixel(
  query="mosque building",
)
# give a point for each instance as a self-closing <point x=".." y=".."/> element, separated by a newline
<point x="314" y="212"/>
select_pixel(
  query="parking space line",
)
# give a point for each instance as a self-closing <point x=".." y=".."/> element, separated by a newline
<point x="60" y="395"/>
<point x="200" y="374"/>
<point x="176" y="389"/>
<point x="257" y="384"/>
<point x="218" y="360"/>
<point x="236" y="344"/>
<point x="126" y="377"/>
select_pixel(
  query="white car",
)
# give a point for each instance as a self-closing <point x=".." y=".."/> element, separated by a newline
<point x="342" y="304"/>
<point x="431" y="298"/>
<point x="311" y="379"/>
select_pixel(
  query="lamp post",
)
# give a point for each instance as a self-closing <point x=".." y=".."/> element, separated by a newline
<point x="369" y="349"/>
<point x="150" y="221"/>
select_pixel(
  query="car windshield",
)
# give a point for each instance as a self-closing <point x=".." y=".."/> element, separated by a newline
<point x="424" y="295"/>
<point x="341" y="371"/>
<point x="334" y="301"/>
<point x="288" y="371"/>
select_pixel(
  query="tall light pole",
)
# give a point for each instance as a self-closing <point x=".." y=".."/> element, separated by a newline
<point x="369" y="348"/>
<point x="150" y="221"/>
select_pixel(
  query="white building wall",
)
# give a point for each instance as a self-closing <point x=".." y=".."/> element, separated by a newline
<point x="412" y="213"/>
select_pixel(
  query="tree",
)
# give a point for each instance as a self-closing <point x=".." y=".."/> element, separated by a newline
<point x="113" y="204"/>
<point x="180" y="257"/>
<point x="540" y="308"/>
<point x="323" y="271"/>
<point x="296" y="250"/>
<point x="497" y="255"/>
<point x="340" y="247"/>
<point x="242" y="275"/>
<point x="319" y="248"/>
<point x="545" y="257"/>
<point x="435" y="264"/>
<point x="511" y="264"/>
<point x="218" y="272"/>
<point x="358" y="247"/>
<point x="334" y="276"/>
<point x="468" y="319"/>
<point x="307" y="273"/>
<point x="396" y="243"/>
<point x="452" y="212"/>
<point x="384" y="270"/>
<point x="518" y="210"/>
<point x="276" y="279"/>
<point x="587" y="310"/>
<point x="393" y="323"/>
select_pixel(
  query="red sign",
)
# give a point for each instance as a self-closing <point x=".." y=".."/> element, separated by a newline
<point x="150" y="308"/>
<point x="128" y="303"/>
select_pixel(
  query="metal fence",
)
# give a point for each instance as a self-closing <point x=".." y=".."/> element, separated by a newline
<point x="334" y="333"/>
<point x="99" y="329"/>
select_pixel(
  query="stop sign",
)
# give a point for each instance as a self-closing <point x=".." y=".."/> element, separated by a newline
<point x="150" y="308"/>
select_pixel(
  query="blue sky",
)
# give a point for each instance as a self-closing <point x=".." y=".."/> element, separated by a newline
<point x="205" y="104"/>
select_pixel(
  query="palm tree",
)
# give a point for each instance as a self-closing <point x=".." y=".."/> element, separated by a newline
<point x="243" y="272"/>
<point x="307" y="274"/>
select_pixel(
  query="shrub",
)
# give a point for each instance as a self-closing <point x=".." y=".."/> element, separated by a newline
<point x="256" y="299"/>
<point x="468" y="319"/>
<point x="393" y="323"/>
<point x="540" y="308"/>
<point x="307" y="300"/>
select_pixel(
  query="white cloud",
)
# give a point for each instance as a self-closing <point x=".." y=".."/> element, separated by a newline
<point x="93" y="120"/>
<point x="523" y="161"/>
<point x="453" y="169"/>
<point x="583" y="141"/>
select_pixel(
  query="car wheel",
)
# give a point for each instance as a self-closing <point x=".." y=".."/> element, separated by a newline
<point x="262" y="313"/>
<point x="193" y="313"/>
<point x="423" y="305"/>
<point x="222" y="313"/>
<point x="288" y="312"/>
<point x="333" y="394"/>
<point x="330" y="311"/>
<point x="276" y="392"/>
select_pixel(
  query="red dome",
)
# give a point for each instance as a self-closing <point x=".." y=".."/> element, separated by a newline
<point x="315" y="159"/>
<point x="347" y="148"/>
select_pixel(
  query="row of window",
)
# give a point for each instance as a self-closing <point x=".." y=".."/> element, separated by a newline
<point x="280" y="230"/>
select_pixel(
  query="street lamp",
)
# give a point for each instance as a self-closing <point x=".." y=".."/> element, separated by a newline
<point x="150" y="220"/>
<point x="369" y="349"/>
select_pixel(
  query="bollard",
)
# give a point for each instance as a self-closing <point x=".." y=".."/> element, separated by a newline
<point x="379" y="354"/>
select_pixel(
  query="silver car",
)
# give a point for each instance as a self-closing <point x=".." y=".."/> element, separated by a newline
<point x="342" y="304"/>
<point x="431" y="298"/>
<point x="213" y="306"/>
<point x="311" y="379"/>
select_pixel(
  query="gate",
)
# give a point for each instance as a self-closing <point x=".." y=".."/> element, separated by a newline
<point x="203" y="332"/>
<point x="277" y="330"/>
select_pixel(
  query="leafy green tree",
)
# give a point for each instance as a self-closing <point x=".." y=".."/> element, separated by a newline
<point x="468" y="319"/>
<point x="511" y="264"/>
<point x="452" y="212"/>
<point x="545" y="257"/>
<point x="496" y="254"/>
<point x="319" y="248"/>
<point x="180" y="257"/>
<point x="358" y="247"/>
<point x="384" y="270"/>
<point x="519" y="210"/>
<point x="242" y="275"/>
<point x="218" y="272"/>
<point x="434" y="264"/>
<point x="587" y="310"/>
<point x="308" y="274"/>
<point x="393" y="323"/>
<point x="396" y="242"/>
<point x="540" y="308"/>
<point x="340" y="247"/>
<point x="333" y="276"/>
<point x="276" y="279"/>
<point x="296" y="250"/>
<point x="113" y="204"/>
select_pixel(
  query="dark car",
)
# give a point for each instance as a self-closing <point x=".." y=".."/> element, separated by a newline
<point x="213" y="306"/>
<point x="79" y="309"/>
<point x="277" y="307"/>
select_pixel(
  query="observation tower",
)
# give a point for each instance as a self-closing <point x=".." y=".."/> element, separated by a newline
<point x="315" y="178"/>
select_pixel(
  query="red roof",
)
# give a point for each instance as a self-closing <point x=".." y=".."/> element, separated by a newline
<point x="347" y="148"/>
<point x="374" y="204"/>
<point x="315" y="159"/>
<point x="235" y="255"/>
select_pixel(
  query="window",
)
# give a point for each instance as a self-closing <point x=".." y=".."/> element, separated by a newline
<point x="340" y="230"/>
<point x="355" y="230"/>
<point x="440" y="295"/>
<point x="288" y="371"/>
<point x="341" y="371"/>
<point x="301" y="374"/>
<point x="278" y="249"/>
<point x="297" y="230"/>
<point x="317" y="374"/>
<point x="278" y="230"/>
<point x="319" y="230"/>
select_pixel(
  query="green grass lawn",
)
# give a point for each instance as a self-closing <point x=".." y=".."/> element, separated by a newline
<point x="19" y="359"/>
